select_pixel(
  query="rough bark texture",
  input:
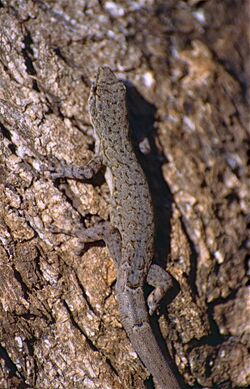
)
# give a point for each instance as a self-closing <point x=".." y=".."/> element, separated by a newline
<point x="60" y="325"/>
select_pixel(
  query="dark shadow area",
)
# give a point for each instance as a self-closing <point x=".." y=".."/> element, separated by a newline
<point x="9" y="364"/>
<point x="14" y="376"/>
<point x="141" y="115"/>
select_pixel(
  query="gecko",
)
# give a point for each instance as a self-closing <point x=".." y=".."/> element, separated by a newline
<point x="129" y="234"/>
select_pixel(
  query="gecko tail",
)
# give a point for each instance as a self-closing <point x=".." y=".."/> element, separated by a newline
<point x="135" y="320"/>
<point x="152" y="357"/>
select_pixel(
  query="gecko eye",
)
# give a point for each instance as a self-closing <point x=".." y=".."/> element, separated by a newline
<point x="100" y="107"/>
<point x="94" y="87"/>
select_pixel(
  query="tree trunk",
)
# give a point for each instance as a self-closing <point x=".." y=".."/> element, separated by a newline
<point x="187" y="98"/>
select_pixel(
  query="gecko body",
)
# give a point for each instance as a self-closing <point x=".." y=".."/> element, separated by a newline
<point x="131" y="215"/>
<point x="130" y="233"/>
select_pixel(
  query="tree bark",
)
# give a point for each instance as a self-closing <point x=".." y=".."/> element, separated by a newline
<point x="187" y="74"/>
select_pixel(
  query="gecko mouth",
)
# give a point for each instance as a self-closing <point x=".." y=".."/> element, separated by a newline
<point x="105" y="76"/>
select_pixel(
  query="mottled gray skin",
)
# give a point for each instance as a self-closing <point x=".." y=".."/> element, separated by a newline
<point x="132" y="215"/>
<point x="130" y="234"/>
<point x="131" y="212"/>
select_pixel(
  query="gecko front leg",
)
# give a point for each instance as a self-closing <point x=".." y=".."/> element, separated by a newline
<point x="74" y="172"/>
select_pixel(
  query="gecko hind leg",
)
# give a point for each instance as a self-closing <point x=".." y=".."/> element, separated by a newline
<point x="102" y="231"/>
<point x="162" y="281"/>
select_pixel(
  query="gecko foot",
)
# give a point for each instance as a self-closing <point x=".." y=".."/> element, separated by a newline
<point x="162" y="281"/>
<point x="55" y="170"/>
<point x="101" y="231"/>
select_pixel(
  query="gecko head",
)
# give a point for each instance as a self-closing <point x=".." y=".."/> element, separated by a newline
<point x="107" y="104"/>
